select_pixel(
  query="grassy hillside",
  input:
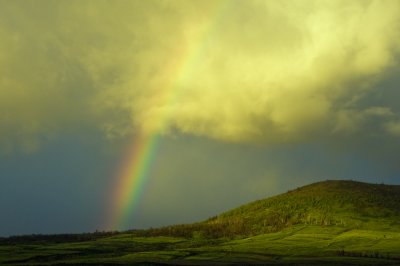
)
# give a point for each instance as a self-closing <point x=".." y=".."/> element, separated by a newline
<point x="326" y="223"/>
<point x="347" y="204"/>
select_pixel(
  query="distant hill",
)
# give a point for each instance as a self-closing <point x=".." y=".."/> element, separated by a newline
<point x="349" y="204"/>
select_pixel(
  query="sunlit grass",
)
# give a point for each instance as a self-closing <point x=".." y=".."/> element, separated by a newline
<point x="296" y="243"/>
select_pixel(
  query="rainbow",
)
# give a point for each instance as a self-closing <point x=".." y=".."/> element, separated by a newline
<point x="138" y="162"/>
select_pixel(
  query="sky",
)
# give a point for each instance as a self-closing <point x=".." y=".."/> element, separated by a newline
<point x="135" y="114"/>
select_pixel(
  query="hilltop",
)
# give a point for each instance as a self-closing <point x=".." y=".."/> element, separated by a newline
<point x="326" y="223"/>
<point x="344" y="203"/>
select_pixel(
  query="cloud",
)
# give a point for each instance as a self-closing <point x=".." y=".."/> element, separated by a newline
<point x="393" y="128"/>
<point x="233" y="70"/>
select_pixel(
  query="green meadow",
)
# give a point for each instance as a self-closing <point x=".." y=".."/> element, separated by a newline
<point x="327" y="223"/>
<point x="302" y="245"/>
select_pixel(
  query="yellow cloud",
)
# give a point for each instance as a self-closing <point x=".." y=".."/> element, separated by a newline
<point x="272" y="71"/>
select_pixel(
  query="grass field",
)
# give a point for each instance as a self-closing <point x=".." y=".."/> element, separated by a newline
<point x="299" y="245"/>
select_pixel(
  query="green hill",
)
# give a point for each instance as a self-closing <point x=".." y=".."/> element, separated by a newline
<point x="347" y="204"/>
<point x="326" y="223"/>
<point x="343" y="203"/>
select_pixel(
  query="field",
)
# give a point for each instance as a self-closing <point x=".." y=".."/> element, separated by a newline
<point x="299" y="245"/>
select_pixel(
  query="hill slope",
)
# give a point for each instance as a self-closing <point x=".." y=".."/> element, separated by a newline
<point x="324" y="203"/>
<point x="347" y="204"/>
